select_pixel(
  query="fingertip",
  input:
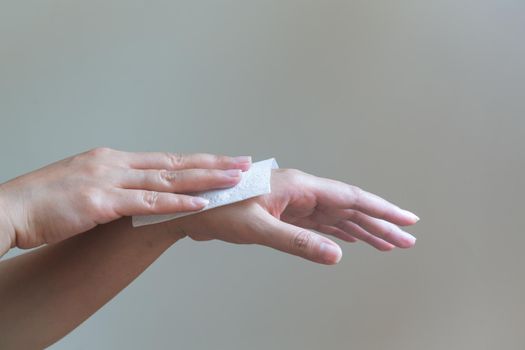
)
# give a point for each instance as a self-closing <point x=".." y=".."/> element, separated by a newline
<point x="243" y="162"/>
<point x="408" y="242"/>
<point x="330" y="253"/>
<point x="199" y="203"/>
<point x="232" y="176"/>
<point x="410" y="217"/>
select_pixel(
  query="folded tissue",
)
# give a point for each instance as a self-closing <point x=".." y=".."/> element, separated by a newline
<point x="254" y="182"/>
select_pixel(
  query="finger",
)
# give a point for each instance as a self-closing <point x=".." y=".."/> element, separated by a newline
<point x="358" y="232"/>
<point x="298" y="241"/>
<point x="327" y="228"/>
<point x="181" y="181"/>
<point x="336" y="194"/>
<point x="176" y="161"/>
<point x="329" y="225"/>
<point x="380" y="228"/>
<point x="141" y="202"/>
<point x="383" y="229"/>
<point x="336" y="232"/>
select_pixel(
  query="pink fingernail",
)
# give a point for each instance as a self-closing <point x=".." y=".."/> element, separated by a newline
<point x="407" y="239"/>
<point x="412" y="216"/>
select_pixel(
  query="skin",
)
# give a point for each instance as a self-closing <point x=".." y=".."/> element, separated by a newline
<point x="51" y="290"/>
<point x="298" y="204"/>
<point x="78" y="193"/>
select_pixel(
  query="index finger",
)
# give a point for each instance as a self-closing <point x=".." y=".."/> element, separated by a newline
<point x="332" y="194"/>
<point x="177" y="161"/>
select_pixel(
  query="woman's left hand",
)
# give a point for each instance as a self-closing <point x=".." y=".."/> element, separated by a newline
<point x="299" y="203"/>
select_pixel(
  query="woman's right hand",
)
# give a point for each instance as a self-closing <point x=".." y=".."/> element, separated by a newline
<point x="75" y="194"/>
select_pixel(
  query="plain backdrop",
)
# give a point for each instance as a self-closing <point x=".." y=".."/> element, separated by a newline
<point x="422" y="102"/>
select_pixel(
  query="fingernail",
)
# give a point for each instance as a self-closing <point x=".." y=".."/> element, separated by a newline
<point x="408" y="239"/>
<point x="330" y="253"/>
<point x="243" y="159"/>
<point x="233" y="172"/>
<point x="412" y="216"/>
<point x="200" y="202"/>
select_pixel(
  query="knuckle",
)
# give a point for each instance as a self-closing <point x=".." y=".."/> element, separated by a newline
<point x="99" y="152"/>
<point x="182" y="202"/>
<point x="169" y="176"/>
<point x="354" y="215"/>
<point x="92" y="198"/>
<point x="95" y="170"/>
<point x="150" y="198"/>
<point x="388" y="233"/>
<point x="294" y="175"/>
<point x="293" y="172"/>
<point x="356" y="194"/>
<point x="175" y="160"/>
<point x="302" y="240"/>
<point x="221" y="159"/>
<point x="212" y="174"/>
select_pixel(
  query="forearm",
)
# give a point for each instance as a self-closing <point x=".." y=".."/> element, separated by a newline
<point x="48" y="292"/>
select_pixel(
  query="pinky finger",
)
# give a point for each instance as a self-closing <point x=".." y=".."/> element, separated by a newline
<point x="359" y="233"/>
<point x="141" y="202"/>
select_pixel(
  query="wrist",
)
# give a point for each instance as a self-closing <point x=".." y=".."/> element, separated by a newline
<point x="7" y="231"/>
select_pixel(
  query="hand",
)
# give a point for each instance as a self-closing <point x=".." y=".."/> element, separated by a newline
<point x="298" y="203"/>
<point x="76" y="194"/>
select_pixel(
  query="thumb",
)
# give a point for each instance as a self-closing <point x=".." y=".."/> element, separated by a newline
<point x="299" y="241"/>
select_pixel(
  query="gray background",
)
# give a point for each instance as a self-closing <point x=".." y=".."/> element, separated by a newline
<point x="421" y="102"/>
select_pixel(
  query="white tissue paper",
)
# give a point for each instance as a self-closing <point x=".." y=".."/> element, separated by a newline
<point x="254" y="182"/>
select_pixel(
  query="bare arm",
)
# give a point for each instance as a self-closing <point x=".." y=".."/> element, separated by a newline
<point x="80" y="205"/>
<point x="55" y="288"/>
<point x="48" y="292"/>
<point x="76" y="194"/>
